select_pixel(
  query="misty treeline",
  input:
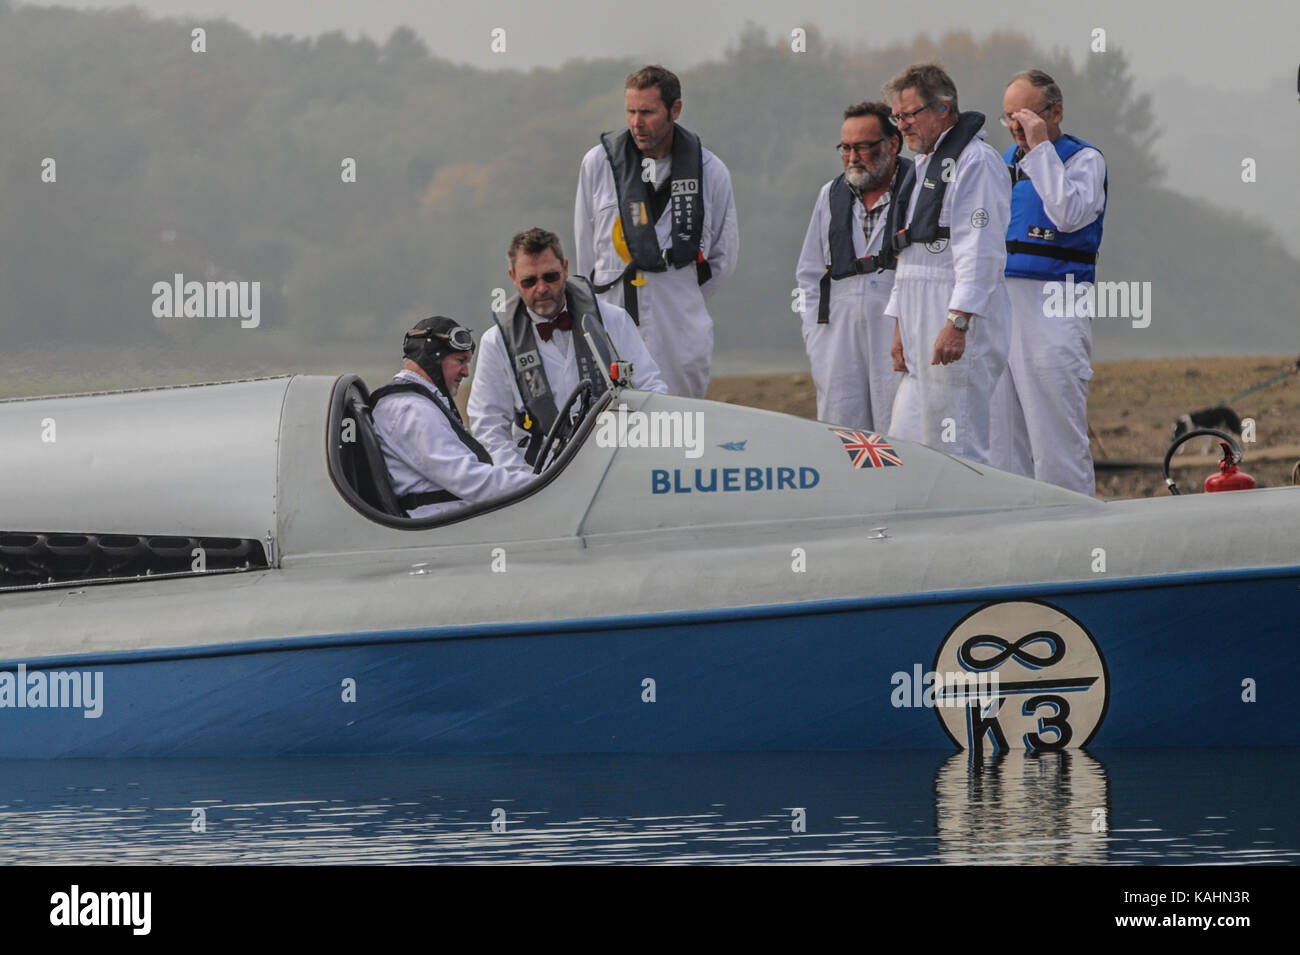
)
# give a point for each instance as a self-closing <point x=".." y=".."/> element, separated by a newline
<point x="229" y="165"/>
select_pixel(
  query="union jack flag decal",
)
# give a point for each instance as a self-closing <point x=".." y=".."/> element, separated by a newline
<point x="868" y="450"/>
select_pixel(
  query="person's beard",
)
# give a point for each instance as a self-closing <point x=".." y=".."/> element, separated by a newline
<point x="548" y="308"/>
<point x="865" y="177"/>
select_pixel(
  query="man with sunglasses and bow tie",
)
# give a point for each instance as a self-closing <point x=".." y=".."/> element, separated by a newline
<point x="535" y="355"/>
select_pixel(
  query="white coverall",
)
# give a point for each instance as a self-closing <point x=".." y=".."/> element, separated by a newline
<point x="850" y="354"/>
<point x="675" y="324"/>
<point x="494" y="395"/>
<point x="423" y="453"/>
<point x="947" y="406"/>
<point x="1040" y="406"/>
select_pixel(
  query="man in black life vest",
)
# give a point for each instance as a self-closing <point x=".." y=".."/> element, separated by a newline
<point x="655" y="226"/>
<point x="434" y="463"/>
<point x="535" y="354"/>
<point x="845" y="275"/>
<point x="948" y="222"/>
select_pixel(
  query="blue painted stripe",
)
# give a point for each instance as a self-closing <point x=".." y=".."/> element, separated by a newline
<point x="677" y="618"/>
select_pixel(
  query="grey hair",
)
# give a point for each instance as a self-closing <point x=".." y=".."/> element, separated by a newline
<point x="931" y="82"/>
<point x="1040" y="80"/>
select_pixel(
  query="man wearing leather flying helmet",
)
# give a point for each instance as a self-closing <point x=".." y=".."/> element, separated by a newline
<point x="435" y="464"/>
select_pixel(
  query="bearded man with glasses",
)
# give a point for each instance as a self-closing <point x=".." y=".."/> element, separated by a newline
<point x="1058" y="204"/>
<point x="535" y="355"/>
<point x="949" y="301"/>
<point x="844" y="275"/>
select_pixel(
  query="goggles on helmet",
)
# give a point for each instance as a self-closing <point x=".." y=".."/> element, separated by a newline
<point x="458" y="338"/>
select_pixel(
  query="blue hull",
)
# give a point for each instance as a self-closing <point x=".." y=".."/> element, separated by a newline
<point x="1191" y="660"/>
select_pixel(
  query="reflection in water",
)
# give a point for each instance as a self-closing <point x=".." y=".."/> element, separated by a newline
<point x="1024" y="808"/>
<point x="1156" y="806"/>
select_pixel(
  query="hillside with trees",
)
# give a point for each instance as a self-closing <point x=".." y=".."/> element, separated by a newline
<point x="227" y="165"/>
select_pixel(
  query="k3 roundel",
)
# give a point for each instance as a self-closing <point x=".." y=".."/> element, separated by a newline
<point x="1021" y="675"/>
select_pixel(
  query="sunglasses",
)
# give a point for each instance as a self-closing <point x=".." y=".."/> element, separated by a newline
<point x="550" y="278"/>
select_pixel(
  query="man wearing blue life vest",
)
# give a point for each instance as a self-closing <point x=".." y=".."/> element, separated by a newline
<point x="844" y="273"/>
<point x="1058" y="204"/>
<point x="654" y="224"/>
<point x="947" y="223"/>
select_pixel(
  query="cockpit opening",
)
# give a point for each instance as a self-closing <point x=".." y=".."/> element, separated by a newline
<point x="356" y="461"/>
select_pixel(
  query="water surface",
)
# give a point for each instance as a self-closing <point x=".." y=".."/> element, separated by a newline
<point x="1120" y="806"/>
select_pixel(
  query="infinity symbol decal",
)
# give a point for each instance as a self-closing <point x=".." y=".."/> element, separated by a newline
<point x="1019" y="650"/>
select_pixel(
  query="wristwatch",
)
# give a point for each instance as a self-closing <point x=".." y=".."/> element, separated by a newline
<point x="959" y="321"/>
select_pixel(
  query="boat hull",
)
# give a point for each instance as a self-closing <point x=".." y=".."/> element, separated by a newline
<point x="1180" y="660"/>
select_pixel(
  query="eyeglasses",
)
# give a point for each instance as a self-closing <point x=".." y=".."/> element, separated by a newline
<point x="862" y="149"/>
<point x="900" y="118"/>
<point x="550" y="278"/>
<point x="1006" y="118"/>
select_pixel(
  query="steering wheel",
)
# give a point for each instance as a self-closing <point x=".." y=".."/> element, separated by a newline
<point x="563" y="427"/>
<point x="1226" y="438"/>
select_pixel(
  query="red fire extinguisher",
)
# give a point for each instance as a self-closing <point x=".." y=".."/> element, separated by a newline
<point x="1229" y="478"/>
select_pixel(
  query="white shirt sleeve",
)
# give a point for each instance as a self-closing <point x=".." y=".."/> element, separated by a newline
<point x="627" y="339"/>
<point x="892" y="307"/>
<point x="1073" y="193"/>
<point x="584" y="221"/>
<point x="813" y="257"/>
<point x="493" y="398"/>
<point x="981" y="208"/>
<point x="724" y="234"/>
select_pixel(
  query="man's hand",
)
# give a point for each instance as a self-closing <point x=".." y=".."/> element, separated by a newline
<point x="949" y="346"/>
<point x="1033" y="125"/>
<point x="897" y="350"/>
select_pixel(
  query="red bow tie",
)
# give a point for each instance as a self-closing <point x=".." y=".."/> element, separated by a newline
<point x="563" y="322"/>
